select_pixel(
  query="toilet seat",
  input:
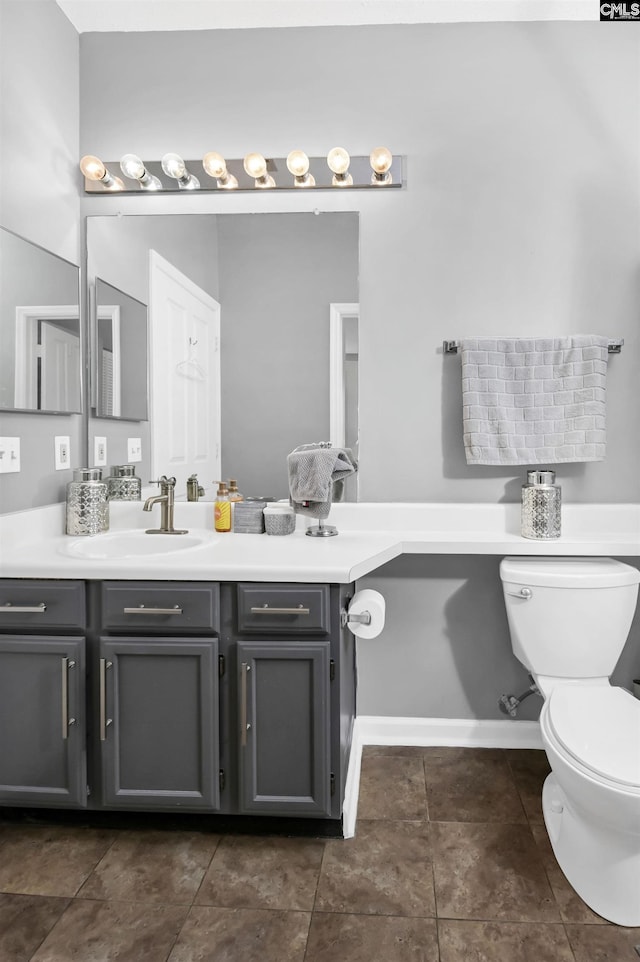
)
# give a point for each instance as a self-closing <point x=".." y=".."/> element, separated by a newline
<point x="599" y="727"/>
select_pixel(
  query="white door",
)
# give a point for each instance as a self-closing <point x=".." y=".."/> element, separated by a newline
<point x="60" y="369"/>
<point x="185" y="378"/>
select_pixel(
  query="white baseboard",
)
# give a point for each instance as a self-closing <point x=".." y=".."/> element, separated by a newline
<point x="425" y="733"/>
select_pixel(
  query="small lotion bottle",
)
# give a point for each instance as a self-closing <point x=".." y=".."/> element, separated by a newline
<point x="222" y="509"/>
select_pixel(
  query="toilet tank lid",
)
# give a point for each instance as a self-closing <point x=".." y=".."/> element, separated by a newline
<point x="600" y="727"/>
<point x="587" y="572"/>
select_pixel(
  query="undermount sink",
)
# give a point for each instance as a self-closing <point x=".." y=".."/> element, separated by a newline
<point x="133" y="544"/>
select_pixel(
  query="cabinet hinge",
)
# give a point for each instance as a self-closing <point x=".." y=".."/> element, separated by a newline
<point x="222" y="666"/>
<point x="88" y="789"/>
<point x="332" y="781"/>
<point x="221" y="779"/>
<point x="332" y="670"/>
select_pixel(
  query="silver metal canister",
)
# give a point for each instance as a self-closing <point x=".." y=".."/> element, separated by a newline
<point x="123" y="484"/>
<point x="541" y="504"/>
<point x="87" y="502"/>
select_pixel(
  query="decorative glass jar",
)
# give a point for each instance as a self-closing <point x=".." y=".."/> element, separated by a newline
<point x="87" y="502"/>
<point x="123" y="483"/>
<point x="541" y="503"/>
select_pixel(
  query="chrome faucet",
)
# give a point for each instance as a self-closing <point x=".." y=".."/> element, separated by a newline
<point x="166" y="501"/>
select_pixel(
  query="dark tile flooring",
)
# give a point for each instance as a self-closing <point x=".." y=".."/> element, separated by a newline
<point x="450" y="863"/>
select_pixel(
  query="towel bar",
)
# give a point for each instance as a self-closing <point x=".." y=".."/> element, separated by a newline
<point x="613" y="347"/>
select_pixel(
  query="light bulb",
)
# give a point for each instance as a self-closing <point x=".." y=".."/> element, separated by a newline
<point x="256" y="166"/>
<point x="174" y="166"/>
<point x="298" y="165"/>
<point x="93" y="169"/>
<point x="338" y="161"/>
<point x="381" y="159"/>
<point x="215" y="166"/>
<point x="131" y="166"/>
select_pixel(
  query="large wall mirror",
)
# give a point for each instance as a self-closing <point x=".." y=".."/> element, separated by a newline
<point x="231" y="397"/>
<point x="41" y="357"/>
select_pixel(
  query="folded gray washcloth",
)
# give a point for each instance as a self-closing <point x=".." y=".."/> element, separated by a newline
<point x="534" y="400"/>
<point x="313" y="471"/>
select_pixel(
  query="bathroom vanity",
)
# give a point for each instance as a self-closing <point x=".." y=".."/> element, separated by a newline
<point x="233" y="698"/>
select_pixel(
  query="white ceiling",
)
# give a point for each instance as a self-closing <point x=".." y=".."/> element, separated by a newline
<point x="124" y="15"/>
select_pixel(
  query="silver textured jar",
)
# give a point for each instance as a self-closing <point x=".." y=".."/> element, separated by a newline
<point x="541" y="504"/>
<point x="123" y="484"/>
<point x="87" y="502"/>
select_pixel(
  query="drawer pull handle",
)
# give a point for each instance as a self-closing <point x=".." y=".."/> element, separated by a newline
<point x="244" y="725"/>
<point x="104" y="721"/>
<point x="266" y="610"/>
<point x="24" y="609"/>
<point x="66" y="721"/>
<point x="142" y="610"/>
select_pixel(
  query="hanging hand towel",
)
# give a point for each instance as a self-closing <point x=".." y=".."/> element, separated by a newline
<point x="313" y="471"/>
<point x="534" y="400"/>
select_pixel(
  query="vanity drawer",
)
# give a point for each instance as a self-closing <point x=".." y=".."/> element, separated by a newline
<point x="42" y="604"/>
<point x="160" y="606"/>
<point x="283" y="608"/>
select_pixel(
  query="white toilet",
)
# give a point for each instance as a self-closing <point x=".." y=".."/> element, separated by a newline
<point x="569" y="619"/>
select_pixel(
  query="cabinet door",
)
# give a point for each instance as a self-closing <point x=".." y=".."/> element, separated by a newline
<point x="159" y="722"/>
<point x="42" y="721"/>
<point x="283" y="699"/>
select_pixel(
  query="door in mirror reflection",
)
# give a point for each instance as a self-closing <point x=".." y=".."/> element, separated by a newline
<point x="120" y="354"/>
<point x="40" y="362"/>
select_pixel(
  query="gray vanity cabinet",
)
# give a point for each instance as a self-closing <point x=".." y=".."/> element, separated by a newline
<point x="42" y="694"/>
<point x="284" y="727"/>
<point x="158" y="695"/>
<point x="159" y="732"/>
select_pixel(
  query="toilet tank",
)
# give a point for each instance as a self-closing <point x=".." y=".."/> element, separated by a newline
<point x="569" y="617"/>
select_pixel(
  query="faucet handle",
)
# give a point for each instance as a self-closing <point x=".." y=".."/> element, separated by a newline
<point x="164" y="480"/>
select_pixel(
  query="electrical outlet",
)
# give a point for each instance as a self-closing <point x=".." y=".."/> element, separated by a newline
<point x="62" y="450"/>
<point x="134" y="450"/>
<point x="99" y="452"/>
<point x="9" y="455"/>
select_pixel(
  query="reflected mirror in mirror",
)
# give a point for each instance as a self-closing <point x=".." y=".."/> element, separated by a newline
<point x="120" y="354"/>
<point x="40" y="361"/>
<point x="275" y="284"/>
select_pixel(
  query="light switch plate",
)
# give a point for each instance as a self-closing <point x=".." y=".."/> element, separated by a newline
<point x="134" y="450"/>
<point x="99" y="452"/>
<point x="62" y="452"/>
<point x="9" y="455"/>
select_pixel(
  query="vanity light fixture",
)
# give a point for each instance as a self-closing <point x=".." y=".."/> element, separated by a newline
<point x="174" y="166"/>
<point x="381" y="159"/>
<point x="256" y="166"/>
<point x="298" y="165"/>
<point x="338" y="161"/>
<point x="93" y="169"/>
<point x="132" y="167"/>
<point x="216" y="167"/>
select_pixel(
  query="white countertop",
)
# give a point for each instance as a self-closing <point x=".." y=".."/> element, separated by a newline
<point x="32" y="544"/>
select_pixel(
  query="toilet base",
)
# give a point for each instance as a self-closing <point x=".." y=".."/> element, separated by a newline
<point x="601" y="863"/>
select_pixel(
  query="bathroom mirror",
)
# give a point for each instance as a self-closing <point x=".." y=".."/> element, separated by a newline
<point x="40" y="361"/>
<point x="120" y="354"/>
<point x="277" y="280"/>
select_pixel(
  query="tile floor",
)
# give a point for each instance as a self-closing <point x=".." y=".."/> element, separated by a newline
<point x="450" y="863"/>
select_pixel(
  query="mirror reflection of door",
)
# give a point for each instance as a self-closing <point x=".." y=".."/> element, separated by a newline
<point x="120" y="363"/>
<point x="47" y="358"/>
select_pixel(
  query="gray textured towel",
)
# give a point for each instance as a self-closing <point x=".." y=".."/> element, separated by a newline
<point x="534" y="400"/>
<point x="313" y="471"/>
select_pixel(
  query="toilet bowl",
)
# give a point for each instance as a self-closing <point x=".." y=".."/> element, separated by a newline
<point x="569" y="619"/>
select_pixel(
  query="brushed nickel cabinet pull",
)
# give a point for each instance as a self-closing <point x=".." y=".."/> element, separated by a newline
<point x="244" y="725"/>
<point x="66" y="721"/>
<point x="266" y="610"/>
<point x="23" y="609"/>
<point x="104" y="721"/>
<point x="143" y="610"/>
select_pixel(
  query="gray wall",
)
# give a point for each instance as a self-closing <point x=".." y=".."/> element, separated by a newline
<point x="278" y="276"/>
<point x="39" y="199"/>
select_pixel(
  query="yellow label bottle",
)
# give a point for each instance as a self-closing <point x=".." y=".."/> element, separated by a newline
<point x="222" y="509"/>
